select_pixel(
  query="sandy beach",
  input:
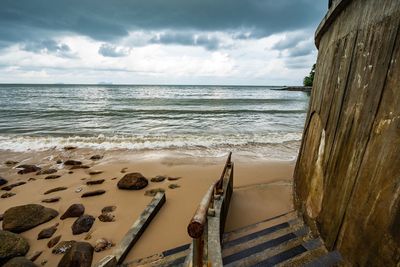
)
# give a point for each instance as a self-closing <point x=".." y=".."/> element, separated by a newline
<point x="255" y="181"/>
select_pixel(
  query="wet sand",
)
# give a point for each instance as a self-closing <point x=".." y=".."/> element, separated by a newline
<point x="262" y="189"/>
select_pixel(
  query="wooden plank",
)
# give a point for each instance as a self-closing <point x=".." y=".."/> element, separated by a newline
<point x="137" y="229"/>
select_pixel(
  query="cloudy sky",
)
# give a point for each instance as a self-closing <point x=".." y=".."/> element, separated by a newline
<point x="253" y="42"/>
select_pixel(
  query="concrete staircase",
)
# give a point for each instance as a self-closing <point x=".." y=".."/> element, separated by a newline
<point x="280" y="241"/>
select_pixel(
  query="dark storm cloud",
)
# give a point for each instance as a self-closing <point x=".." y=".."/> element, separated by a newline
<point x="49" y="47"/>
<point x="108" y="50"/>
<point x="105" y="20"/>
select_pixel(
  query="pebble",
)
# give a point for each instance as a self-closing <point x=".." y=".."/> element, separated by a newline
<point x="51" y="177"/>
<point x="82" y="224"/>
<point x="95" y="172"/>
<point x="52" y="242"/>
<point x="107" y="217"/>
<point x="172" y="178"/>
<point x="70" y="147"/>
<point x="48" y="232"/>
<point x="78" y="190"/>
<point x="108" y="209"/>
<point x="51" y="200"/>
<point x="11" y="186"/>
<point x="10" y="163"/>
<point x="71" y="162"/>
<point x="94" y="182"/>
<point x="124" y="170"/>
<point x="96" y="157"/>
<point x="7" y="195"/>
<point x="93" y="193"/>
<point x="35" y="256"/>
<point x="31" y="179"/>
<point x="103" y="244"/>
<point x="158" y="179"/>
<point x="173" y="186"/>
<point x="60" y="188"/>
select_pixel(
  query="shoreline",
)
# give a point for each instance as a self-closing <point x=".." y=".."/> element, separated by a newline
<point x="256" y="180"/>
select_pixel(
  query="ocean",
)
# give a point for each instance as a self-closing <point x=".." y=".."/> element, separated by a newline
<point x="201" y="120"/>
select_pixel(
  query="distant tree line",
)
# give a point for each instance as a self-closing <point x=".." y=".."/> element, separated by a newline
<point x="308" y="80"/>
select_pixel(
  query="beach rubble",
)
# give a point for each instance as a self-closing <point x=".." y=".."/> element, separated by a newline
<point x="132" y="181"/>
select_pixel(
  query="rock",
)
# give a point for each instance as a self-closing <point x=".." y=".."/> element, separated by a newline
<point x="52" y="177"/>
<point x="158" y="179"/>
<point x="82" y="224"/>
<point x="75" y="210"/>
<point x="108" y="209"/>
<point x="79" y="167"/>
<point x="56" y="189"/>
<point x="124" y="170"/>
<point x="93" y="182"/>
<point x="173" y="186"/>
<point x="70" y="172"/>
<point x="88" y="235"/>
<point x="114" y="178"/>
<point x="3" y="181"/>
<point x="96" y="157"/>
<point x="70" y="147"/>
<point x="71" y="162"/>
<point x="106" y="217"/>
<point x="51" y="200"/>
<point x="153" y="192"/>
<point x="133" y="181"/>
<point x="7" y="195"/>
<point x="1" y="217"/>
<point x="173" y="178"/>
<point x="21" y="218"/>
<point x="28" y="168"/>
<point x="79" y="189"/>
<point x="103" y="244"/>
<point x="11" y="186"/>
<point x="43" y="262"/>
<point x="48" y="171"/>
<point x="19" y="262"/>
<point x="95" y="172"/>
<point x="10" y="163"/>
<point x="52" y="242"/>
<point x="80" y="254"/>
<point x="93" y="193"/>
<point x="11" y="245"/>
<point x="47" y="232"/>
<point x="63" y="247"/>
<point x="59" y="161"/>
<point x="35" y="255"/>
<point x="31" y="179"/>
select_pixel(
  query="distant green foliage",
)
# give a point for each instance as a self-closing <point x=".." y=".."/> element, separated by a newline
<point x="308" y="80"/>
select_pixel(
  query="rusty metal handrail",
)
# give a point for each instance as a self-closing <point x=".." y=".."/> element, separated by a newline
<point x="221" y="179"/>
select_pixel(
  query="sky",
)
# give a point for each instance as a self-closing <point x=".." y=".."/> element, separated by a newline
<point x="231" y="42"/>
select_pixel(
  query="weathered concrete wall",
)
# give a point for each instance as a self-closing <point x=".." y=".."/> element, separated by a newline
<point x="347" y="178"/>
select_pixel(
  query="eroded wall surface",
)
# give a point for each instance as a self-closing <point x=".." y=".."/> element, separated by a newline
<point x="347" y="178"/>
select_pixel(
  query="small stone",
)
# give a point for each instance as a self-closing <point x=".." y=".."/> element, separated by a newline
<point x="80" y="254"/>
<point x="94" y="182"/>
<point x="26" y="168"/>
<point x="103" y="244"/>
<point x="1" y="217"/>
<point x="75" y="167"/>
<point x="158" y="179"/>
<point x="10" y="163"/>
<point x="48" y="171"/>
<point x="93" y="193"/>
<point x="107" y="217"/>
<point x="63" y="247"/>
<point x="8" y="194"/>
<point x="153" y="192"/>
<point x="88" y="236"/>
<point x="12" y="245"/>
<point x="132" y="181"/>
<point x="52" y="242"/>
<point x="70" y="172"/>
<point x="82" y="224"/>
<point x="79" y="189"/>
<point x="51" y="200"/>
<point x="71" y="162"/>
<point x="43" y="262"/>
<point x="75" y="210"/>
<point x="83" y="179"/>
<point x="114" y="178"/>
<point x="70" y="147"/>
<point x="108" y="209"/>
<point x="19" y="262"/>
<point x="3" y="181"/>
<point x="95" y="172"/>
<point x="173" y="178"/>
<point x="59" y="161"/>
<point x="31" y="179"/>
<point x="124" y="170"/>
<point x="48" y="232"/>
<point x="96" y="157"/>
<point x="173" y="186"/>
<point x="52" y="177"/>
<point x="35" y="256"/>
<point x="60" y="188"/>
<point x="11" y="186"/>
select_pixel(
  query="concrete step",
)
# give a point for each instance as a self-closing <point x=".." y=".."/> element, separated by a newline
<point x="289" y="244"/>
<point x="237" y="233"/>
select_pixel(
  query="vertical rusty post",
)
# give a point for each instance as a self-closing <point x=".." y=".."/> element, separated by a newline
<point x="198" y="244"/>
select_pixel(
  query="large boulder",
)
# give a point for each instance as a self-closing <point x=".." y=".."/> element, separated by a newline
<point x="19" y="262"/>
<point x="22" y="218"/>
<point x="80" y="254"/>
<point x="133" y="181"/>
<point x="75" y="210"/>
<point x="82" y="224"/>
<point x="11" y="245"/>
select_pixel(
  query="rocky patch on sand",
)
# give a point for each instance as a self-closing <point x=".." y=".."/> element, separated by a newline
<point x="11" y="245"/>
<point x="80" y="254"/>
<point x="75" y="210"/>
<point x="56" y="189"/>
<point x="22" y="218"/>
<point x="93" y="193"/>
<point x="11" y="186"/>
<point x="132" y="181"/>
<point x="27" y="168"/>
<point x="82" y="224"/>
<point x="47" y="232"/>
